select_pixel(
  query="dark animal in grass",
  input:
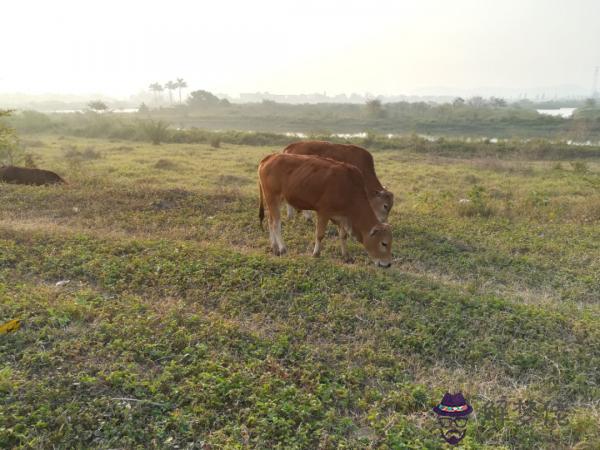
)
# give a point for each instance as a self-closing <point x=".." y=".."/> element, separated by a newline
<point x="25" y="175"/>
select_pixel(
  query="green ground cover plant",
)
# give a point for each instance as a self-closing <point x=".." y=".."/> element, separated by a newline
<point x="178" y="329"/>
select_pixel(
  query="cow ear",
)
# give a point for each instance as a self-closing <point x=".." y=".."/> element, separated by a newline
<point x="374" y="231"/>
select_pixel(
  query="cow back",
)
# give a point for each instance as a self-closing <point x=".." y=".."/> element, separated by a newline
<point x="347" y="153"/>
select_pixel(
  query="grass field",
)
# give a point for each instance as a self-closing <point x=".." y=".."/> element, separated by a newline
<point x="179" y="330"/>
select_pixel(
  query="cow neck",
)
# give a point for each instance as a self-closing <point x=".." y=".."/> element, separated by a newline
<point x="362" y="222"/>
<point x="374" y="185"/>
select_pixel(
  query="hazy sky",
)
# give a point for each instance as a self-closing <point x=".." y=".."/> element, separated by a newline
<point x="382" y="47"/>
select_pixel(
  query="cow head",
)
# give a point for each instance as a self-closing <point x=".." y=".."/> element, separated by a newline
<point x="378" y="244"/>
<point x="382" y="202"/>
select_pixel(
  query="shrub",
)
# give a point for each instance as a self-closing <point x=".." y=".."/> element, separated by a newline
<point x="9" y="144"/>
<point x="165" y="164"/>
<point x="97" y="105"/>
<point x="215" y="141"/>
<point x="201" y="99"/>
<point x="580" y="167"/>
<point x="375" y="108"/>
<point x="71" y="152"/>
<point x="29" y="161"/>
<point x="32" y="143"/>
<point x="156" y="130"/>
<point x="91" y="153"/>
<point x="33" y="122"/>
<point x="476" y="203"/>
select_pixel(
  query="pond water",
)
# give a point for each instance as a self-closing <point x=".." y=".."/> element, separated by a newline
<point x="116" y="110"/>
<point x="565" y="113"/>
<point x="559" y="112"/>
<point x="430" y="138"/>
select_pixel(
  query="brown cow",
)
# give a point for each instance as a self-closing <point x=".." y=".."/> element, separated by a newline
<point x="380" y="198"/>
<point x="335" y="190"/>
<point x="25" y="175"/>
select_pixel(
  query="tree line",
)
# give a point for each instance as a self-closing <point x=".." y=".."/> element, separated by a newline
<point x="170" y="86"/>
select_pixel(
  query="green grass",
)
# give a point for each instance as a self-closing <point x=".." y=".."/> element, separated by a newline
<point x="178" y="328"/>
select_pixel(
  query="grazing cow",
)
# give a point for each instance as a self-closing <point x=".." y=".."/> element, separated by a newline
<point x="335" y="190"/>
<point x="380" y="198"/>
<point x="25" y="175"/>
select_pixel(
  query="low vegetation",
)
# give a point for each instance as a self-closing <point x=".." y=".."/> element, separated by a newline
<point x="172" y="326"/>
<point x="491" y="118"/>
<point x="8" y="138"/>
<point x="157" y="131"/>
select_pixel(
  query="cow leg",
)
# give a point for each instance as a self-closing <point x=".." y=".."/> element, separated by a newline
<point x="320" y="233"/>
<point x="277" y="245"/>
<point x="307" y="215"/>
<point x="290" y="211"/>
<point x="343" y="238"/>
<point x="272" y="238"/>
<point x="277" y="239"/>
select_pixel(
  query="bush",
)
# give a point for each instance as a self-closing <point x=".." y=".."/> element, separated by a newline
<point x="31" y="143"/>
<point x="165" y="164"/>
<point x="476" y="203"/>
<point x="156" y="130"/>
<point x="97" y="105"/>
<point x="29" y="161"/>
<point x="33" y="122"/>
<point x="375" y="108"/>
<point x="580" y="167"/>
<point x="129" y="127"/>
<point x="215" y="142"/>
<point x="91" y="153"/>
<point x="71" y="152"/>
<point x="201" y="99"/>
<point x="9" y="144"/>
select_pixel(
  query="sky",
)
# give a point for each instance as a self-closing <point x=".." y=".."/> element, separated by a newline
<point x="282" y="46"/>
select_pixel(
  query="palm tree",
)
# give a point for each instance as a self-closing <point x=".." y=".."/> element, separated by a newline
<point x="170" y="85"/>
<point x="156" y="88"/>
<point x="180" y="84"/>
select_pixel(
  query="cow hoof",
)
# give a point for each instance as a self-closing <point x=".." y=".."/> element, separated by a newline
<point x="282" y="251"/>
<point x="348" y="259"/>
<point x="316" y="254"/>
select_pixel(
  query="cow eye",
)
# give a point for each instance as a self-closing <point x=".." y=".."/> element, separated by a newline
<point x="385" y="207"/>
<point x="384" y="244"/>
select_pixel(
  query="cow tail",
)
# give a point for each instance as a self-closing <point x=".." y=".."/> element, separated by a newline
<point x="261" y="205"/>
